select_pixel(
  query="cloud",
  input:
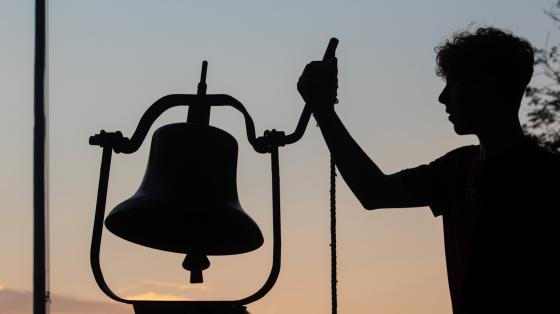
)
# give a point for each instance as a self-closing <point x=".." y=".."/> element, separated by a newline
<point x="20" y="302"/>
<point x="162" y="284"/>
<point x="159" y="290"/>
<point x="147" y="290"/>
<point x="14" y="302"/>
<point x="156" y="297"/>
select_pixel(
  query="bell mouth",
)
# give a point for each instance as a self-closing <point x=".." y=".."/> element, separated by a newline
<point x="224" y="229"/>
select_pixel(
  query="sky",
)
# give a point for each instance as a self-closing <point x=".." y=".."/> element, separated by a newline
<point x="110" y="60"/>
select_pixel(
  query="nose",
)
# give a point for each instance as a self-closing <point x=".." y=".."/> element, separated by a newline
<point x="444" y="95"/>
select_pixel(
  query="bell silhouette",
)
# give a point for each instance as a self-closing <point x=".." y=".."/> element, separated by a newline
<point x="187" y="201"/>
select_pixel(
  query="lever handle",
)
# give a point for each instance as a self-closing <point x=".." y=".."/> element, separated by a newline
<point x="331" y="48"/>
<point x="306" y="114"/>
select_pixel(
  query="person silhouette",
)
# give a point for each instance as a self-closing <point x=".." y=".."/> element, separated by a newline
<point x="498" y="199"/>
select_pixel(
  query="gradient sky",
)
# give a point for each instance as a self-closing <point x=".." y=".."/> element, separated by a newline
<point x="110" y="60"/>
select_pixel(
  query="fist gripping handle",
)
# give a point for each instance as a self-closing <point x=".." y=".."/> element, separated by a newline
<point x="306" y="114"/>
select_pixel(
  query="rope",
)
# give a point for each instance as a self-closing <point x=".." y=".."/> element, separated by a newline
<point x="334" y="281"/>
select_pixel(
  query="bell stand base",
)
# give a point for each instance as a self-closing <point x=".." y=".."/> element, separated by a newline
<point x="180" y="307"/>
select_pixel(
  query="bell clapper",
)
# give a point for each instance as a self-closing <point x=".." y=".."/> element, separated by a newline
<point x="196" y="263"/>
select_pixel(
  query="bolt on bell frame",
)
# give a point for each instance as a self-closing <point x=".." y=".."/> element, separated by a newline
<point x="153" y="192"/>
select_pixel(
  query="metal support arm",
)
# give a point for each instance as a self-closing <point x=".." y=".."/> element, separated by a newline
<point x="261" y="145"/>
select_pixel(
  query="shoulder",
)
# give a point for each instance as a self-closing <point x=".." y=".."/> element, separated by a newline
<point x="441" y="171"/>
<point x="457" y="157"/>
<point x="534" y="175"/>
<point x="538" y="158"/>
<point x="453" y="160"/>
<point x="540" y="164"/>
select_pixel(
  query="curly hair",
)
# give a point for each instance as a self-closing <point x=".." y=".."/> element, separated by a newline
<point x="488" y="52"/>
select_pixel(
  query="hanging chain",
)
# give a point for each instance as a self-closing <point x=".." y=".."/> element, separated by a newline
<point x="334" y="281"/>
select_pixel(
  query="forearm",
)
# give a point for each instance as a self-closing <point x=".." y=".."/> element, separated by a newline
<point x="358" y="171"/>
<point x="317" y="85"/>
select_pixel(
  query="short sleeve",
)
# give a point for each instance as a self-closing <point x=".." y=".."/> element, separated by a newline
<point x="439" y="182"/>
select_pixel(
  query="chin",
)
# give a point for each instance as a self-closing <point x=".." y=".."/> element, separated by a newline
<point x="460" y="130"/>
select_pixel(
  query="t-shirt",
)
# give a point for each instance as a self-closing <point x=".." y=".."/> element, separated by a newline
<point x="500" y="227"/>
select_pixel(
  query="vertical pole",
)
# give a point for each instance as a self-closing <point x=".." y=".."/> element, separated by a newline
<point x="39" y="244"/>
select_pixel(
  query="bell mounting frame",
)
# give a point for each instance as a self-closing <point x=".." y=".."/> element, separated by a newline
<point x="199" y="109"/>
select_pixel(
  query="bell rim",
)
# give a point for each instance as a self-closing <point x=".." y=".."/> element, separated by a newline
<point x="117" y="217"/>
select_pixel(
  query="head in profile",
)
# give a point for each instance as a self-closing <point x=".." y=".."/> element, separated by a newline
<point x="486" y="73"/>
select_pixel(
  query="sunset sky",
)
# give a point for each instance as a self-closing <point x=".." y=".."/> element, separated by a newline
<point x="110" y="60"/>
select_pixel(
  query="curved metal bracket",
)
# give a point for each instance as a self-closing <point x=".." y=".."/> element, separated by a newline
<point x="115" y="141"/>
<point x="261" y="145"/>
<point x="276" y="230"/>
<point x="128" y="146"/>
<point x="98" y="225"/>
<point x="98" y="231"/>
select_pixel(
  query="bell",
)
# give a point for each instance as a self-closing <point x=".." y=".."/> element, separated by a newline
<point x="187" y="201"/>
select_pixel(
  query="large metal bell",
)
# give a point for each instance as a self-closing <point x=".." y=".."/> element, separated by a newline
<point x="187" y="201"/>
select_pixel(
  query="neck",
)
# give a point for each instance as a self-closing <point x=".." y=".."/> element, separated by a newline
<point x="500" y="139"/>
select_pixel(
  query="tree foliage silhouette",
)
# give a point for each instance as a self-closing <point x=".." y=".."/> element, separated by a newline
<point x="543" y="122"/>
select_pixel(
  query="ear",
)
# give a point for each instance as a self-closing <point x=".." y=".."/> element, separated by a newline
<point x="492" y="88"/>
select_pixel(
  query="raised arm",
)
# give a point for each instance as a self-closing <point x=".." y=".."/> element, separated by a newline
<point x="370" y="185"/>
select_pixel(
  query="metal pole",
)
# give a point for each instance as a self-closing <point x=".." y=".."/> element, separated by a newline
<point x="39" y="243"/>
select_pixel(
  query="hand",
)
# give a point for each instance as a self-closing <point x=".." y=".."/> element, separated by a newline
<point x="318" y="84"/>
